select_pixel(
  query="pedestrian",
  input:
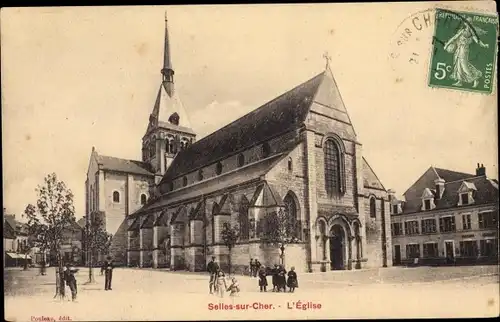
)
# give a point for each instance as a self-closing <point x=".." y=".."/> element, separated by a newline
<point x="108" y="273"/>
<point x="281" y="278"/>
<point x="263" y="279"/>
<point x="274" y="273"/>
<point x="256" y="266"/>
<point x="220" y="281"/>
<point x="292" y="281"/>
<point x="42" y="267"/>
<point x="69" y="277"/>
<point x="103" y="268"/>
<point x="234" y="288"/>
<point x="212" y="269"/>
<point x="252" y="267"/>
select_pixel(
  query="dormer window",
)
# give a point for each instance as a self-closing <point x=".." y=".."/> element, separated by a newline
<point x="395" y="209"/>
<point x="466" y="193"/>
<point x="428" y="200"/>
<point x="174" y="119"/>
<point x="465" y="198"/>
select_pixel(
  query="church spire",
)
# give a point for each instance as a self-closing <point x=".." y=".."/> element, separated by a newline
<point x="167" y="70"/>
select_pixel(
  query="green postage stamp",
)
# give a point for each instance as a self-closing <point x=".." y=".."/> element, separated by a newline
<point x="464" y="51"/>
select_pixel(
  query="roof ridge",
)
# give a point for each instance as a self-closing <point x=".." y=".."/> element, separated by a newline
<point x="465" y="179"/>
<point x="454" y="171"/>
<point x="258" y="108"/>
<point x="108" y="156"/>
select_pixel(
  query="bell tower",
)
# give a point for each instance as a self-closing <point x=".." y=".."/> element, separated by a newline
<point x="169" y="130"/>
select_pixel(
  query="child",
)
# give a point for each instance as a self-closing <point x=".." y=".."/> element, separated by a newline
<point x="220" y="282"/>
<point x="262" y="279"/>
<point x="292" y="282"/>
<point x="274" y="273"/>
<point x="234" y="288"/>
<point x="281" y="279"/>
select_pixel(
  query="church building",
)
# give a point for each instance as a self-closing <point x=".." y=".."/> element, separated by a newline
<point x="296" y="155"/>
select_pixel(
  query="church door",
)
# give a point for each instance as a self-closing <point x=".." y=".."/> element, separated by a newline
<point x="337" y="242"/>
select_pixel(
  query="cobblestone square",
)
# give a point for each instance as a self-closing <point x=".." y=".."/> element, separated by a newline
<point x="146" y="294"/>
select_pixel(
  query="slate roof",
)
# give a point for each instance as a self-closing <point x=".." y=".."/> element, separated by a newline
<point x="245" y="174"/>
<point x="284" y="113"/>
<point x="487" y="193"/>
<point x="123" y="165"/>
<point x="449" y="175"/>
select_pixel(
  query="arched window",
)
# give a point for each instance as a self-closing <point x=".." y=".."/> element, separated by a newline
<point x="152" y="149"/>
<point x="290" y="164"/>
<point x="116" y="196"/>
<point x="170" y="145"/>
<point x="174" y="119"/>
<point x="373" y="207"/>
<point x="266" y="150"/>
<point x="182" y="145"/>
<point x="200" y="174"/>
<point x="143" y="199"/>
<point x="243" y="219"/>
<point x="293" y="225"/>
<point x="333" y="184"/>
<point x="241" y="160"/>
<point x="184" y="181"/>
<point x="218" y="168"/>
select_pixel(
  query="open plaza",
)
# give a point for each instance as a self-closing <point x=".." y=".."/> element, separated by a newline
<point x="146" y="294"/>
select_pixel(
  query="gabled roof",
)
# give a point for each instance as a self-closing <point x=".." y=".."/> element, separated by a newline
<point x="148" y="222"/>
<point x="123" y="165"/>
<point x="487" y="193"/>
<point x="284" y="113"/>
<point x="266" y="196"/>
<point x="450" y="175"/>
<point x="81" y="222"/>
<point x="370" y="179"/>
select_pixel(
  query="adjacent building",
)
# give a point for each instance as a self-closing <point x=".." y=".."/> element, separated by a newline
<point x="15" y="241"/>
<point x="298" y="153"/>
<point x="446" y="217"/>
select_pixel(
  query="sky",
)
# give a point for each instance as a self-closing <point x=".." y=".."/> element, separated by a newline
<point x="73" y="78"/>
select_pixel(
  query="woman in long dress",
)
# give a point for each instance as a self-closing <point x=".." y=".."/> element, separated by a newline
<point x="458" y="45"/>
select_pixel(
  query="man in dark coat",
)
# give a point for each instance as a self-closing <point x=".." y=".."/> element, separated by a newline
<point x="281" y="278"/>
<point x="252" y="267"/>
<point x="274" y="273"/>
<point x="108" y="273"/>
<point x="256" y="267"/>
<point x="212" y="268"/>
<point x="69" y="277"/>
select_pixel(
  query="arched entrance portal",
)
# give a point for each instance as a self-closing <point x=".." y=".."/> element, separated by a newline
<point x="337" y="247"/>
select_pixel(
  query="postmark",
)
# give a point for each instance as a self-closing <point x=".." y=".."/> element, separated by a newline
<point x="463" y="51"/>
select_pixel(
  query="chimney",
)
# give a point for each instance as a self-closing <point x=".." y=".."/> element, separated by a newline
<point x="439" y="187"/>
<point x="391" y="194"/>
<point x="480" y="170"/>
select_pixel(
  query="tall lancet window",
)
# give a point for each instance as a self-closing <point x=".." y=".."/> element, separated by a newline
<point x="333" y="168"/>
<point x="291" y="211"/>
<point x="243" y="219"/>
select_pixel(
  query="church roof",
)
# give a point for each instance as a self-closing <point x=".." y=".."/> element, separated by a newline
<point x="165" y="106"/>
<point x="282" y="114"/>
<point x="370" y="179"/>
<point x="123" y="165"/>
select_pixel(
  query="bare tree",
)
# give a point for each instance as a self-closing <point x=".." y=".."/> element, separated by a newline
<point x="279" y="230"/>
<point x="96" y="239"/>
<point x="53" y="213"/>
<point x="229" y="236"/>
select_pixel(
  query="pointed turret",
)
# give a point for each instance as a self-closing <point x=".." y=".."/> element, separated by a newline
<point x="167" y="70"/>
<point x="169" y="130"/>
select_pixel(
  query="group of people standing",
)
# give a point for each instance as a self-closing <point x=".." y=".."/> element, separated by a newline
<point x="218" y="282"/>
<point x="69" y="276"/>
<point x="280" y="278"/>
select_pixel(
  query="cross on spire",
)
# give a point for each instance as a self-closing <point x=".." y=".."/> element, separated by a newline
<point x="327" y="58"/>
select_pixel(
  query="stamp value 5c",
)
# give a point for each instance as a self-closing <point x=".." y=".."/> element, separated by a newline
<point x="464" y="51"/>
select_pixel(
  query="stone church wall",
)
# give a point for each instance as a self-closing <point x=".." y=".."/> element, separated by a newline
<point x="373" y="230"/>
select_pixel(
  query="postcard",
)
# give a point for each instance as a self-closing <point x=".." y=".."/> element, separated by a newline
<point x="248" y="162"/>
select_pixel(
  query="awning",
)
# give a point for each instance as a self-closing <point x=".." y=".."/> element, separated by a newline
<point x="13" y="255"/>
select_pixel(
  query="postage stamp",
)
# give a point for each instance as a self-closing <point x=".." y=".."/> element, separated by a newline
<point x="464" y="51"/>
